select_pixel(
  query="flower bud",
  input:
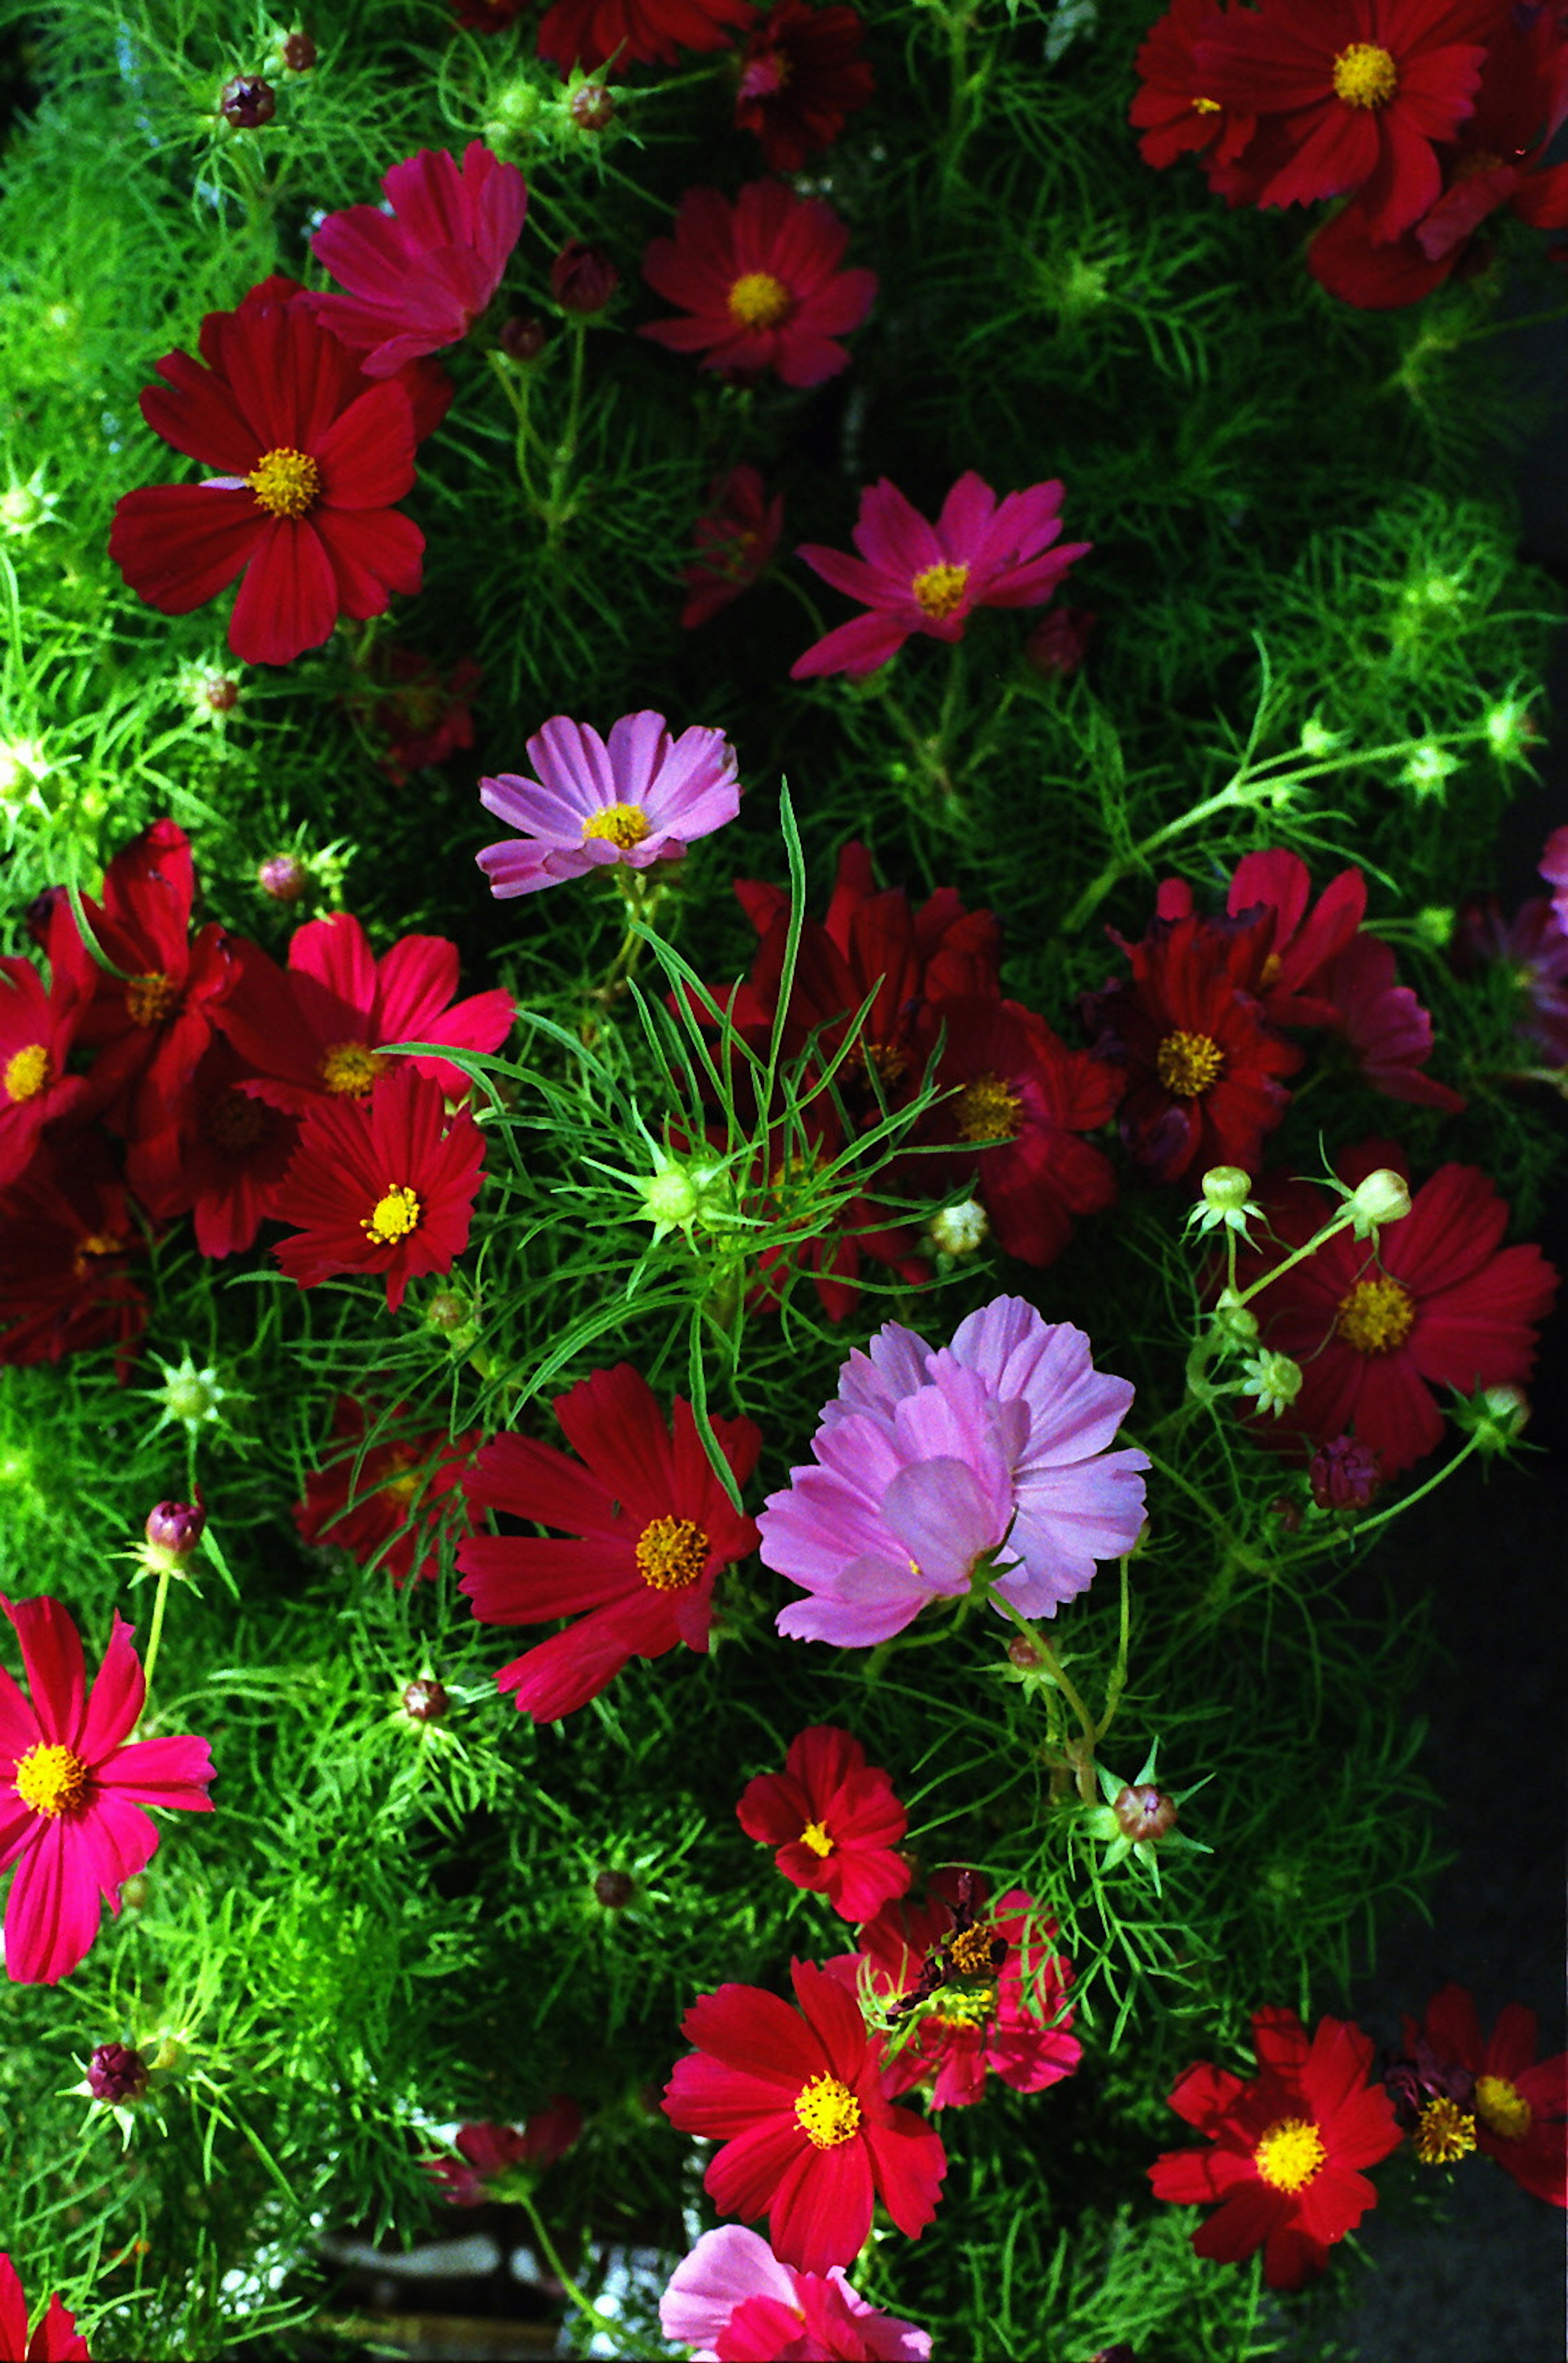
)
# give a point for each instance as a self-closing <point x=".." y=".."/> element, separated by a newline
<point x="282" y="877"/>
<point x="582" y="279"/>
<point x="1056" y="647"/>
<point x="1496" y="1416"/>
<point x="1343" y="1474"/>
<point x="219" y="691"/>
<point x="1383" y="1197"/>
<point x="299" y="53"/>
<point x="522" y="339"/>
<point x="247" y="102"/>
<point x="1275" y="1379"/>
<point x="1028" y="1656"/>
<point x="447" y="1311"/>
<point x="425" y="1700"/>
<point x="614" y="1889"/>
<point x="117" y="2075"/>
<point x="959" y="1230"/>
<point x="173" y="1530"/>
<point x="592" y="106"/>
<point x="1144" y="1813"/>
<point x="1236" y="1323"/>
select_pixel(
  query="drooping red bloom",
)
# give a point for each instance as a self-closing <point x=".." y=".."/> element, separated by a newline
<point x="66" y="1240"/>
<point x="56" y="2339"/>
<point x="311" y="460"/>
<point x="809" y="2140"/>
<point x="1519" y="2104"/>
<point x="1173" y="109"/>
<point x="801" y="73"/>
<point x="420" y="712"/>
<point x="760" y="283"/>
<point x="71" y="1790"/>
<point x="37" y="1026"/>
<point x="650" y="1527"/>
<point x="383" y="1185"/>
<point x="591" y="33"/>
<point x="1388" y="1031"/>
<point x="1055" y="647"/>
<point x="1440" y="1303"/>
<point x="419" y="278"/>
<point x="1287" y="2147"/>
<point x="835" y="1820"/>
<point x="734" y="538"/>
<point x="487" y="2154"/>
<point x="222" y="1160"/>
<point x="384" y="1496"/>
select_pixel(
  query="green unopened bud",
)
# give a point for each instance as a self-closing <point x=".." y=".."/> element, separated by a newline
<point x="1383" y="1197"/>
<point x="959" y="1230"/>
<point x="681" y="1197"/>
<point x="1235" y="1324"/>
<point x="1274" y="1379"/>
<point x="1426" y="771"/>
<point x="1226" y="1201"/>
<point x="1496" y="1416"/>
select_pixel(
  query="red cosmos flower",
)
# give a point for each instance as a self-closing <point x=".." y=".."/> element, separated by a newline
<point x="487" y="2154"/>
<point x="1202" y="1068"/>
<point x="419" y="278"/>
<point x="919" y="577"/>
<point x="801" y="75"/>
<point x="1287" y="2146"/>
<point x="312" y="460"/>
<point x="66" y="1237"/>
<point x="222" y="1160"/>
<point x="734" y="538"/>
<point x="651" y="1526"/>
<point x="760" y="282"/>
<point x="385" y="1497"/>
<point x="835" y="1820"/>
<point x="808" y="2137"/>
<point x="56" y="2339"/>
<point x="70" y="1789"/>
<point x="385" y="1185"/>
<point x="37" y="1026"/>
<point x="421" y="714"/>
<point x="636" y="32"/>
<point x="1171" y="109"/>
<point x="1440" y="1302"/>
<point x="1057" y="645"/>
<point x="1520" y="2104"/>
<point x="1385" y="1026"/>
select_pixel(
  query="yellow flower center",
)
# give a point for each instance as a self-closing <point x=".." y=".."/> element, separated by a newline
<point x="672" y="1554"/>
<point x="961" y="2012"/>
<point x="393" y="1216"/>
<point x="624" y="825"/>
<point x="939" y="589"/>
<point x="814" y="1836"/>
<point x="95" y="1243"/>
<point x="1290" y="2154"/>
<point x="403" y="1487"/>
<point x="285" y="483"/>
<point x="828" y="2112"/>
<point x="1376" y="1316"/>
<point x="1502" y="2108"/>
<point x="28" y="1073"/>
<point x="1444" y="2133"/>
<point x="971" y="1950"/>
<point x="1366" y="75"/>
<point x="1206" y="106"/>
<point x="987" y="1110"/>
<point x="757" y="300"/>
<point x="1187" y="1063"/>
<point x="52" y="1781"/>
<point x="150" y="999"/>
<point x="350" y="1069"/>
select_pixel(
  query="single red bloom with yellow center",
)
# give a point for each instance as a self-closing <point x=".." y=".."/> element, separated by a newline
<point x="1519" y="2104"/>
<point x="384" y="1496"/>
<point x="56" y="2339"/>
<point x="651" y="1526"/>
<point x="810" y="2138"/>
<point x="1286" y="2149"/>
<point x="835" y="1820"/>
<point x="38" y="1027"/>
<point x="760" y="283"/>
<point x="589" y="33"/>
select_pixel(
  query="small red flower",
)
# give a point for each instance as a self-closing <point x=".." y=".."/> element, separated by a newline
<point x="650" y="1523"/>
<point x="1287" y="2146"/>
<point x="37" y="1026"/>
<point x="222" y="1162"/>
<point x="66" y="1240"/>
<point x="835" y="1820"/>
<point x="487" y="2154"/>
<point x="809" y="2140"/>
<point x="760" y="282"/>
<point x="801" y="75"/>
<point x="591" y="33"/>
<point x="56" y="2339"/>
<point x="1519" y="2104"/>
<point x="419" y="277"/>
<point x="1173" y="109"/>
<point x="734" y="538"/>
<point x="385" y="1185"/>
<point x="383" y="1496"/>
<point x="420" y="714"/>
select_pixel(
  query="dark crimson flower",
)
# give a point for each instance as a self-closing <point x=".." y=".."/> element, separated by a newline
<point x="650" y="1523"/>
<point x="487" y="2154"/>
<point x="419" y="277"/>
<point x="1173" y="109"/>
<point x="1344" y="1475"/>
<point x="1058" y="644"/>
<point x="66" y="1239"/>
<point x="422" y="714"/>
<point x="734" y="538"/>
<point x="383" y="1496"/>
<point x="760" y="282"/>
<point x="37" y="1026"/>
<point x="582" y="279"/>
<point x="808" y="2137"/>
<point x="589" y="33"/>
<point x="487" y="16"/>
<point x="1439" y="1302"/>
<point x="221" y="1160"/>
<point x="1389" y="1033"/>
<point x="1519" y="2104"/>
<point x="56" y="2339"/>
<point x="1533" y="949"/>
<point x="801" y="75"/>
<point x="247" y="103"/>
<point x="117" y="2075"/>
<point x="835" y="1820"/>
<point x="1287" y="2147"/>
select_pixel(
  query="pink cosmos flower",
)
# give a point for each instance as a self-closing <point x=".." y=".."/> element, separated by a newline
<point x="731" y="2301"/>
<point x="1553" y="866"/>
<point x="760" y="282"/>
<point x="936" y="1468"/>
<point x="419" y="280"/>
<point x="638" y="799"/>
<point x="919" y="577"/>
<point x="835" y="1820"/>
<point x="70" y="1789"/>
<point x="1533" y="949"/>
<point x="56" y="2339"/>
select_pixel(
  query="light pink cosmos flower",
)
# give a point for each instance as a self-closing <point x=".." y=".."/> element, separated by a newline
<point x="1553" y="868"/>
<point x="418" y="279"/>
<point x="938" y="1467"/>
<point x="639" y="799"/>
<point x="919" y="577"/>
<point x="733" y="2299"/>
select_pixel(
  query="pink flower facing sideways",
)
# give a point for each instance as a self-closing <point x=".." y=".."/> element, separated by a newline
<point x="418" y="279"/>
<point x="639" y="798"/>
<point x="72" y="1789"/>
<point x="731" y="2301"/>
<point x="835" y="1820"/>
<point x="938" y="1468"/>
<point x="919" y="577"/>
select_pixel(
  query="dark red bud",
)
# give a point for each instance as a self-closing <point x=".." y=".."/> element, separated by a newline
<point x="175" y="1527"/>
<point x="614" y="1889"/>
<point x="1025" y="1655"/>
<point x="220" y="691"/>
<point x="116" y="2072"/>
<point x="247" y="103"/>
<point x="1145" y="1812"/>
<point x="299" y="53"/>
<point x="1057" y="646"/>
<point x="583" y="278"/>
<point x="425" y="1700"/>
<point x="1287" y="1511"/>
<point x="1343" y="1474"/>
<point x="282" y="877"/>
<point x="523" y="340"/>
<point x="591" y="106"/>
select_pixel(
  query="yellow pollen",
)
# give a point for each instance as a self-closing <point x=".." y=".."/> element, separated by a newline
<point x="624" y="825"/>
<point x="403" y="1487"/>
<point x="939" y="589"/>
<point x="814" y="1836"/>
<point x="1502" y="2108"/>
<point x="1187" y="1064"/>
<point x="1290" y="2154"/>
<point x="393" y="1216"/>
<point x="1376" y="1316"/>
<point x="672" y="1554"/>
<point x="52" y="1781"/>
<point x="828" y="2112"/>
<point x="350" y="1069"/>
<point x="1206" y="106"/>
<point x="150" y="999"/>
<point x="27" y="1073"/>
<point x="969" y="1952"/>
<point x="961" y="2012"/>
<point x="757" y="300"/>
<point x="286" y="483"/>
<point x="989" y="1111"/>
<point x="97" y="1243"/>
<point x="1366" y="75"/>
<point x="1443" y="2133"/>
<point x="1272" y="967"/>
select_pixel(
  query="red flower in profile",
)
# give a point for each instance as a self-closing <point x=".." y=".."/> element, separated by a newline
<point x="1388" y="1031"/>
<point x="835" y="1820"/>
<point x="37" y="1026"/>
<point x="56" y="2339"/>
<point x="66" y="1239"/>
<point x="760" y="282"/>
<point x="591" y="33"/>
<point x="73" y="1789"/>
<point x="421" y="714"/>
<point x="1173" y="110"/>
<point x="487" y="2154"/>
<point x="311" y="461"/>
<point x="1519" y="2104"/>
<point x="1439" y="1302"/>
<point x="734" y="538"/>
<point x="383" y="1185"/>
<point x="1287" y="2147"/>
<point x="419" y="278"/>
<point x="801" y="74"/>
<point x="809" y="2140"/>
<point x="383" y="1496"/>
<point x="222" y="1162"/>
<point x="650" y="1523"/>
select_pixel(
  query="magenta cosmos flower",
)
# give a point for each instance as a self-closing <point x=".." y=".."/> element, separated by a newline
<point x="56" y="2339"/>
<point x="919" y="577"/>
<point x="835" y="1820"/>
<point x="70" y="1789"/>
<point x="760" y="282"/>
<point x="419" y="278"/>
<point x="936" y="1468"/>
<point x="732" y="2302"/>
<point x="639" y="799"/>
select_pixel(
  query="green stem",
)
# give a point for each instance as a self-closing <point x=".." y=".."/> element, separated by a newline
<point x="155" y="1635"/>
<point x="585" y="2304"/>
<point x="1117" y="1681"/>
<point x="558" y="508"/>
<point x="1336" y="1222"/>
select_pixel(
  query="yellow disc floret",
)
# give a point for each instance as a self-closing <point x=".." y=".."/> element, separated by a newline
<point x="828" y="2112"/>
<point x="672" y="1554"/>
<point x="393" y="1217"/>
<point x="1290" y="2154"/>
<point x="1366" y="75"/>
<point x="285" y="483"/>
<point x="28" y="1073"/>
<point x="52" y="1781"/>
<point x="757" y="300"/>
<point x="971" y="1950"/>
<point x="939" y="589"/>
<point x="1376" y="1316"/>
<point x="150" y="999"/>
<point x="1187" y="1064"/>
<point x="1444" y="2131"/>
<point x="624" y="825"/>
<point x="350" y="1069"/>
<point x="987" y="1110"/>
<point x="1502" y="2108"/>
<point x="814" y="1836"/>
